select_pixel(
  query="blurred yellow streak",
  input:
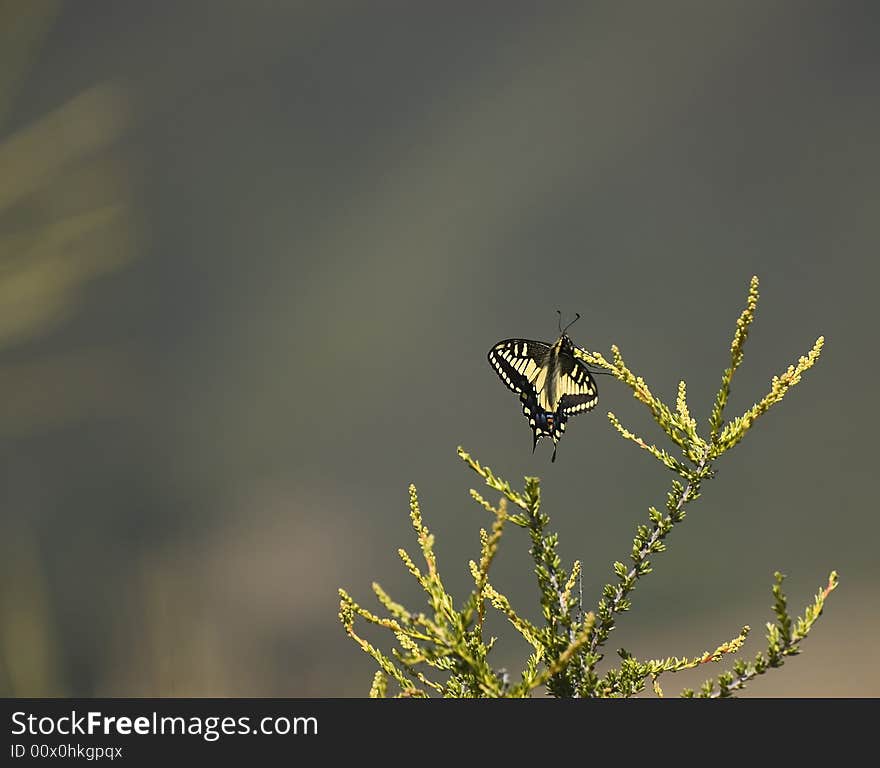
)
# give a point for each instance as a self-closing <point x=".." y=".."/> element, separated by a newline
<point x="27" y="641"/>
<point x="63" y="211"/>
<point x="37" y="286"/>
<point x="30" y="158"/>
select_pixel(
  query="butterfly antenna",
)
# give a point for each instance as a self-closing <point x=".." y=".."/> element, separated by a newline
<point x="577" y="316"/>
<point x="559" y="320"/>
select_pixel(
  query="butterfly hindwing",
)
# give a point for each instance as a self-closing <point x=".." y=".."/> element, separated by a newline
<point x="543" y="424"/>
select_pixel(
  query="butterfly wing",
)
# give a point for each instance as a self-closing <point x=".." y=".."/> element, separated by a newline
<point x="522" y="365"/>
<point x="577" y="388"/>
<point x="518" y="362"/>
<point x="543" y="424"/>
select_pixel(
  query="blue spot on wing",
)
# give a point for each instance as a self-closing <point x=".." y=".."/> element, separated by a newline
<point x="543" y="423"/>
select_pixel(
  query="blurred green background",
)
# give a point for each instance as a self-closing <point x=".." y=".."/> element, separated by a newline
<point x="252" y="257"/>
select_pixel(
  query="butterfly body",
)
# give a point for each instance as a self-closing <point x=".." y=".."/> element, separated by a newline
<point x="551" y="382"/>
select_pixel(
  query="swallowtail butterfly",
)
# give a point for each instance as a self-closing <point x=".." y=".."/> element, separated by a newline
<point x="551" y="382"/>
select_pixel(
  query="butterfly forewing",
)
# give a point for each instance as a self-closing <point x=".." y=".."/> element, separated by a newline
<point x="518" y="362"/>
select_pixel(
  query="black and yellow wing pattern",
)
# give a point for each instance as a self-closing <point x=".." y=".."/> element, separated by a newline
<point x="551" y="382"/>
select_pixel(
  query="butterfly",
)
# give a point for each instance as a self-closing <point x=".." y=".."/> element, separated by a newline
<point x="551" y="382"/>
